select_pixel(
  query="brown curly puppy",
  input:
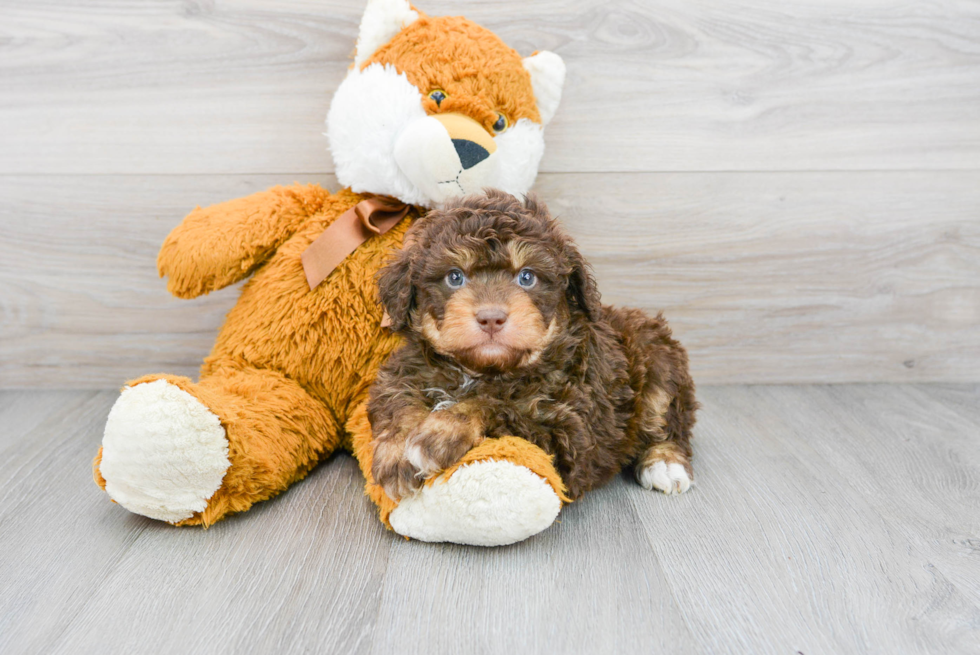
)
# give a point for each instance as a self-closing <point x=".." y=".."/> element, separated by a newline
<point x="504" y="335"/>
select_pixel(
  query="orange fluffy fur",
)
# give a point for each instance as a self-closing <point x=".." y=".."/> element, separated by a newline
<point x="435" y="49"/>
<point x="289" y="374"/>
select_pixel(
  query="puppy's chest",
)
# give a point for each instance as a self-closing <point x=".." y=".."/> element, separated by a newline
<point x="515" y="401"/>
<point x="446" y="391"/>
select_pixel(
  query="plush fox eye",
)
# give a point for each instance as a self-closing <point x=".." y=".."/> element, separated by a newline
<point x="526" y="278"/>
<point x="501" y="123"/>
<point x="438" y="96"/>
<point x="455" y="279"/>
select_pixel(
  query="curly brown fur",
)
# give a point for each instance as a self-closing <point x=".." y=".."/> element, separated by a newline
<point x="494" y="355"/>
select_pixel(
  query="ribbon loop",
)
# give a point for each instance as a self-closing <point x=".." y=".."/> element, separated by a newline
<point x="379" y="215"/>
<point x="369" y="217"/>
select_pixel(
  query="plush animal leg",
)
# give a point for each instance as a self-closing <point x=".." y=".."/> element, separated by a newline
<point x="503" y="491"/>
<point x="190" y="454"/>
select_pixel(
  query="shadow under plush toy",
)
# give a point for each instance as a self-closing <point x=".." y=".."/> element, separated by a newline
<point x="433" y="107"/>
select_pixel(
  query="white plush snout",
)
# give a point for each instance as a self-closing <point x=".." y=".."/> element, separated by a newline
<point x="426" y="154"/>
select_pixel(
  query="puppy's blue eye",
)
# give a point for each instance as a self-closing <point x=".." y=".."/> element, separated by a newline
<point x="526" y="278"/>
<point x="455" y="279"/>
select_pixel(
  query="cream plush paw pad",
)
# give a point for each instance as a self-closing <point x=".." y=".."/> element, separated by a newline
<point x="164" y="453"/>
<point x="668" y="478"/>
<point x="486" y="503"/>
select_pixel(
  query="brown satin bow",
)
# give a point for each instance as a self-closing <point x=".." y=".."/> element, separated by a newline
<point x="367" y="218"/>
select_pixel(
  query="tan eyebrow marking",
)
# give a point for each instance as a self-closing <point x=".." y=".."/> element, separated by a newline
<point x="463" y="258"/>
<point x="520" y="253"/>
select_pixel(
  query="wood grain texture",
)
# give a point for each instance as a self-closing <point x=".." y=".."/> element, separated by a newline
<point x="586" y="585"/>
<point x="835" y="519"/>
<point x="922" y="474"/>
<point x="783" y="277"/>
<point x="56" y="539"/>
<point x="791" y="277"/>
<point x="792" y="249"/>
<point x="787" y="517"/>
<point x="204" y="87"/>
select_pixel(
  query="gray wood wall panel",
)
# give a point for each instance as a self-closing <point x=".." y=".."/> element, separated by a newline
<point x="782" y="277"/>
<point x="795" y="183"/>
<point x="242" y="87"/>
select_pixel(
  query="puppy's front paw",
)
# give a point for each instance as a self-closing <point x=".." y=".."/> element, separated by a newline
<point x="441" y="440"/>
<point x="393" y="471"/>
<point x="665" y="466"/>
<point x="670" y="478"/>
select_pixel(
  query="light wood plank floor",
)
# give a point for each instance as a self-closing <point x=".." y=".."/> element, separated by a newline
<point x="825" y="519"/>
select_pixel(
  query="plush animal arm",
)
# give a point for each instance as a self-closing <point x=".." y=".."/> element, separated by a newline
<point x="501" y="492"/>
<point x="222" y="244"/>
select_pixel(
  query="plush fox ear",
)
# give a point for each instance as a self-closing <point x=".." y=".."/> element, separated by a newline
<point x="382" y="20"/>
<point x="547" y="77"/>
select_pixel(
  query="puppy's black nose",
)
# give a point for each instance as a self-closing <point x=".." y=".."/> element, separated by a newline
<point x="470" y="153"/>
<point x="491" y="320"/>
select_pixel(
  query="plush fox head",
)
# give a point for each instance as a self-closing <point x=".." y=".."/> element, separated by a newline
<point x="438" y="107"/>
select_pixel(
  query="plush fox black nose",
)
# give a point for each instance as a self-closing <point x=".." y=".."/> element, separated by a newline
<point x="491" y="320"/>
<point x="470" y="153"/>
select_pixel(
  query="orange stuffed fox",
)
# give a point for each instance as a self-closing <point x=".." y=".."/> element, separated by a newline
<point x="431" y="108"/>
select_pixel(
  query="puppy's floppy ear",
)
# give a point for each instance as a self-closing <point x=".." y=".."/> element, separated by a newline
<point x="583" y="292"/>
<point x="396" y="285"/>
